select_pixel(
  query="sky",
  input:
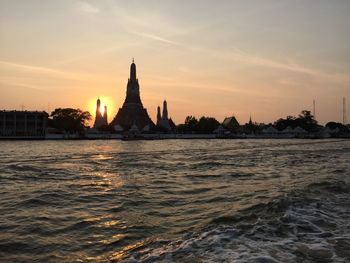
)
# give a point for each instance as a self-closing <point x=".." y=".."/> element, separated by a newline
<point x="265" y="59"/>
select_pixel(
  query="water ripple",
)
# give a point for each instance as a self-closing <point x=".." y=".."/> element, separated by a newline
<point x="175" y="200"/>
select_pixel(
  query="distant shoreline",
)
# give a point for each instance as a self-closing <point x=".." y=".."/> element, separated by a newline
<point x="147" y="137"/>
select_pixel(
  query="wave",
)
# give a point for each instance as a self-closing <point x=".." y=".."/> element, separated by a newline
<point x="308" y="225"/>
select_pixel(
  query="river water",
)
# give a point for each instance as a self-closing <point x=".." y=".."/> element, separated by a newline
<point x="175" y="201"/>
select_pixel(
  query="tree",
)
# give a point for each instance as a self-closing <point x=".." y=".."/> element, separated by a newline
<point x="336" y="125"/>
<point x="252" y="127"/>
<point x="206" y="125"/>
<point x="307" y="117"/>
<point x="188" y="126"/>
<point x="191" y="122"/>
<point x="203" y="125"/>
<point x="70" y="120"/>
<point x="305" y="120"/>
<point x="281" y="123"/>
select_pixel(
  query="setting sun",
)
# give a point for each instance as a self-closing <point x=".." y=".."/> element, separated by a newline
<point x="105" y="101"/>
<point x="102" y="108"/>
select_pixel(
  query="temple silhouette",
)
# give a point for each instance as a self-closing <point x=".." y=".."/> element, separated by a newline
<point x="163" y="121"/>
<point x="100" y="120"/>
<point x="132" y="115"/>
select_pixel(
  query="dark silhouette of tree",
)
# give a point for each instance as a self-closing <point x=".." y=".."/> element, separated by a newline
<point x="252" y="128"/>
<point x="307" y="117"/>
<point x="203" y="125"/>
<point x="337" y="125"/>
<point x="305" y="120"/>
<point x="188" y="126"/>
<point x="282" y="124"/>
<point x="191" y="122"/>
<point x="70" y="120"/>
<point x="206" y="125"/>
<point x="181" y="128"/>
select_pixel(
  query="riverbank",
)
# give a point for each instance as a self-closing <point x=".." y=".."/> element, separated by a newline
<point x="111" y="136"/>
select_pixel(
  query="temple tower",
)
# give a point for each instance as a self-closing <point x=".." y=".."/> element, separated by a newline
<point x="165" y="110"/>
<point x="133" y="88"/>
<point x="159" y="116"/>
<point x="132" y="113"/>
<point x="105" y="118"/>
<point x="163" y="120"/>
<point x="99" y="119"/>
<point x="98" y="108"/>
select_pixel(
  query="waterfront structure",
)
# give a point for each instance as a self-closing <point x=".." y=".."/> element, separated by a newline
<point x="270" y="130"/>
<point x="132" y="114"/>
<point x="231" y="124"/>
<point x="23" y="124"/>
<point x="100" y="120"/>
<point x="163" y="121"/>
<point x="220" y="130"/>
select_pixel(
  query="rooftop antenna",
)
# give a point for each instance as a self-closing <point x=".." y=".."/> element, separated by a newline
<point x="344" y="111"/>
<point x="314" y="109"/>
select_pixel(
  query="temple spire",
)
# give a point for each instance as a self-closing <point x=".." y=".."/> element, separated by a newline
<point x="165" y="110"/>
<point x="98" y="105"/>
<point x="132" y="115"/>
<point x="133" y="71"/>
<point x="99" y="119"/>
<point x="159" y="116"/>
<point x="105" y="118"/>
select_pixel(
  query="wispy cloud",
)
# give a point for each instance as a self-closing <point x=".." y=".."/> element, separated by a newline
<point x="86" y="7"/>
<point x="245" y="57"/>
<point x="239" y="55"/>
<point x="52" y="72"/>
<point x="288" y="65"/>
<point x="10" y="85"/>
<point x="30" y="68"/>
<point x="156" y="38"/>
<point x="93" y="55"/>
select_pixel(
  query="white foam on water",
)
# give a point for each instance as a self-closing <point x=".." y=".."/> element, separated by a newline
<point x="311" y="228"/>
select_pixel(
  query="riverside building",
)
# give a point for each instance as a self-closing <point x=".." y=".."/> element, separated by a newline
<point x="23" y="124"/>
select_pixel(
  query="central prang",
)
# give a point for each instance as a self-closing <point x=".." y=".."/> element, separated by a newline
<point x="132" y="115"/>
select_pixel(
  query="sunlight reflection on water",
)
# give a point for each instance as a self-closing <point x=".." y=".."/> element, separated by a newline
<point x="101" y="200"/>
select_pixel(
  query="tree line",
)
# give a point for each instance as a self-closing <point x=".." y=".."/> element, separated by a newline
<point x="71" y="120"/>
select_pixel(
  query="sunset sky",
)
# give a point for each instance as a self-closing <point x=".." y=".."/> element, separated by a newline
<point x="267" y="59"/>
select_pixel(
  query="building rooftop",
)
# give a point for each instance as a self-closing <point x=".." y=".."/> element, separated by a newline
<point x="22" y="111"/>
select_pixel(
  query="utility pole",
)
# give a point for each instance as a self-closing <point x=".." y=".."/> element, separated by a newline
<point x="314" y="109"/>
<point x="344" y="111"/>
